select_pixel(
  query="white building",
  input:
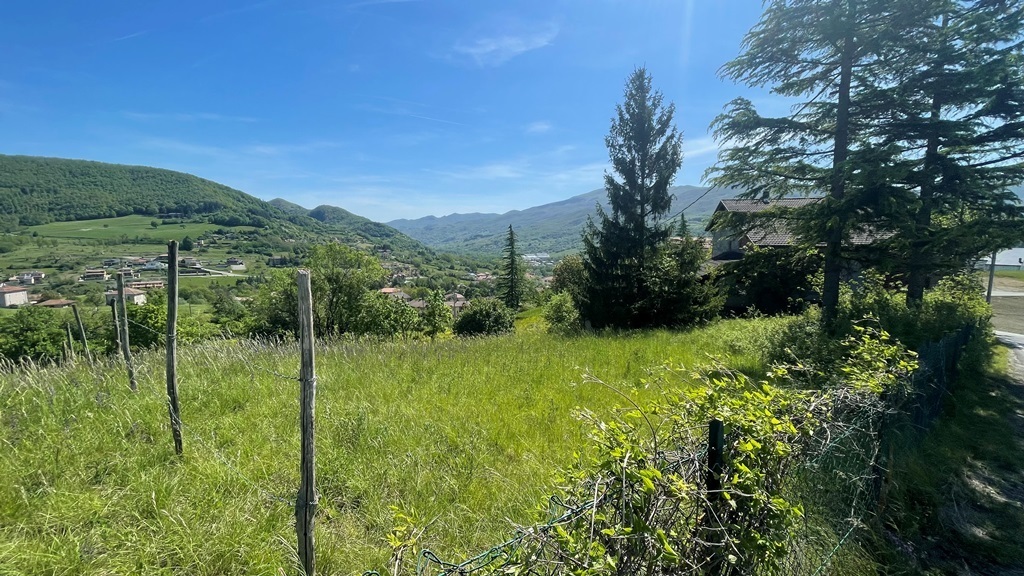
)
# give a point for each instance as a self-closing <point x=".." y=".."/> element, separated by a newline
<point x="11" y="296"/>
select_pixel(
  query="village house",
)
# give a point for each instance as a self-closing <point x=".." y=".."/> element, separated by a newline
<point x="95" y="274"/>
<point x="111" y="262"/>
<point x="145" y="284"/>
<point x="727" y="245"/>
<point x="235" y="262"/>
<point x="396" y="293"/>
<point x="190" y="262"/>
<point x="33" y="277"/>
<point x="131" y="296"/>
<point x="11" y="296"/>
<point x="155" y="265"/>
<point x="457" y="302"/>
<point x="56" y="303"/>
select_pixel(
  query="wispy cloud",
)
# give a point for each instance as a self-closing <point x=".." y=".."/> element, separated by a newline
<point x="490" y="171"/>
<point x="186" y="117"/>
<point x="495" y="50"/>
<point x="129" y="36"/>
<point x="538" y="127"/>
<point x="407" y="109"/>
<point x="285" y="149"/>
<point x="699" y="147"/>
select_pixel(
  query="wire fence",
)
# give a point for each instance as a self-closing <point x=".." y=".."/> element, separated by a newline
<point x="839" y="481"/>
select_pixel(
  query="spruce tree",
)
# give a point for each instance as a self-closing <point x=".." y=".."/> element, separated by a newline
<point x="513" y="273"/>
<point x="620" y="249"/>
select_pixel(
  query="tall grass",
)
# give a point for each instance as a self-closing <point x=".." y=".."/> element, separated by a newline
<point x="466" y="435"/>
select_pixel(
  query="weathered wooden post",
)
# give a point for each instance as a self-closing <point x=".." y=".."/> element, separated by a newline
<point x="71" y="343"/>
<point x="306" y="502"/>
<point x="125" y="345"/>
<point x="81" y="333"/>
<point x="172" y="344"/>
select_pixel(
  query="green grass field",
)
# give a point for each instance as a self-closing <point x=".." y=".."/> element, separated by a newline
<point x="1014" y="274"/>
<point x="132" y="226"/>
<point x="467" y="435"/>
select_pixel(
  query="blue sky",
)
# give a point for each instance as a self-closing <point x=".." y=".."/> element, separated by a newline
<point x="388" y="108"/>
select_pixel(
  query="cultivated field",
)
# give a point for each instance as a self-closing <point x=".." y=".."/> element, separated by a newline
<point x="465" y="435"/>
<point x="131" y="226"/>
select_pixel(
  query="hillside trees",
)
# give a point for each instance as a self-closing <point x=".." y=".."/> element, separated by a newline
<point x="512" y="281"/>
<point x="437" y="315"/>
<point x="621" y="247"/>
<point x="340" y="278"/>
<point x="680" y="295"/>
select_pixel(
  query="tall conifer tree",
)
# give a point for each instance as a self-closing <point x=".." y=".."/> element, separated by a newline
<point x="620" y="249"/>
<point x="513" y="273"/>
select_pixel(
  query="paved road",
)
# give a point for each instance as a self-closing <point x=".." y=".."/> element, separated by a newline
<point x="1016" y="344"/>
<point x="1005" y="293"/>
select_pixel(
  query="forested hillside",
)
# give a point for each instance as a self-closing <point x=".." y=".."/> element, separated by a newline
<point x="35" y="190"/>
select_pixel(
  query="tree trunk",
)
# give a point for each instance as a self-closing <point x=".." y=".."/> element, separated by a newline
<point x="919" y="259"/>
<point x="834" y="241"/>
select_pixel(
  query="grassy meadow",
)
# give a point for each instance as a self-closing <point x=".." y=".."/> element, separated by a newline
<point x="132" y="226"/>
<point x="467" y="436"/>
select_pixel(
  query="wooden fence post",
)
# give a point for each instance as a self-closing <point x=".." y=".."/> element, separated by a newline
<point x="306" y="502"/>
<point x="125" y="347"/>
<point x="117" y="324"/>
<point x="71" y="343"/>
<point x="81" y="333"/>
<point x="716" y="461"/>
<point x="172" y="344"/>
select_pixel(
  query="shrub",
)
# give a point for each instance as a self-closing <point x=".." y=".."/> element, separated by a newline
<point x="561" y="314"/>
<point x="486" y="316"/>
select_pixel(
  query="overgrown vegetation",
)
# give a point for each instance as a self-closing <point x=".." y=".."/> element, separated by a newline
<point x="460" y="434"/>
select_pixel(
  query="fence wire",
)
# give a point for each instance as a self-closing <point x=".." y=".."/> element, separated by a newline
<point x="839" y="481"/>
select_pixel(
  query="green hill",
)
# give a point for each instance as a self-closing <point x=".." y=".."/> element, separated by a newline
<point x="554" y="228"/>
<point x="35" y="190"/>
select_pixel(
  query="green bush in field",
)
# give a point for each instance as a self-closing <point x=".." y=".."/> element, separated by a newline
<point x="561" y="314"/>
<point x="484" y="317"/>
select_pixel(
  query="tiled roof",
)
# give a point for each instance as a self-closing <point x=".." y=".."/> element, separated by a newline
<point x="56" y="303"/>
<point x="777" y="233"/>
<point x="744" y="205"/>
<point x="12" y="289"/>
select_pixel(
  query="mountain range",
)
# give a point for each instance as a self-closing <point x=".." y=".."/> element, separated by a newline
<point x="554" y="228"/>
